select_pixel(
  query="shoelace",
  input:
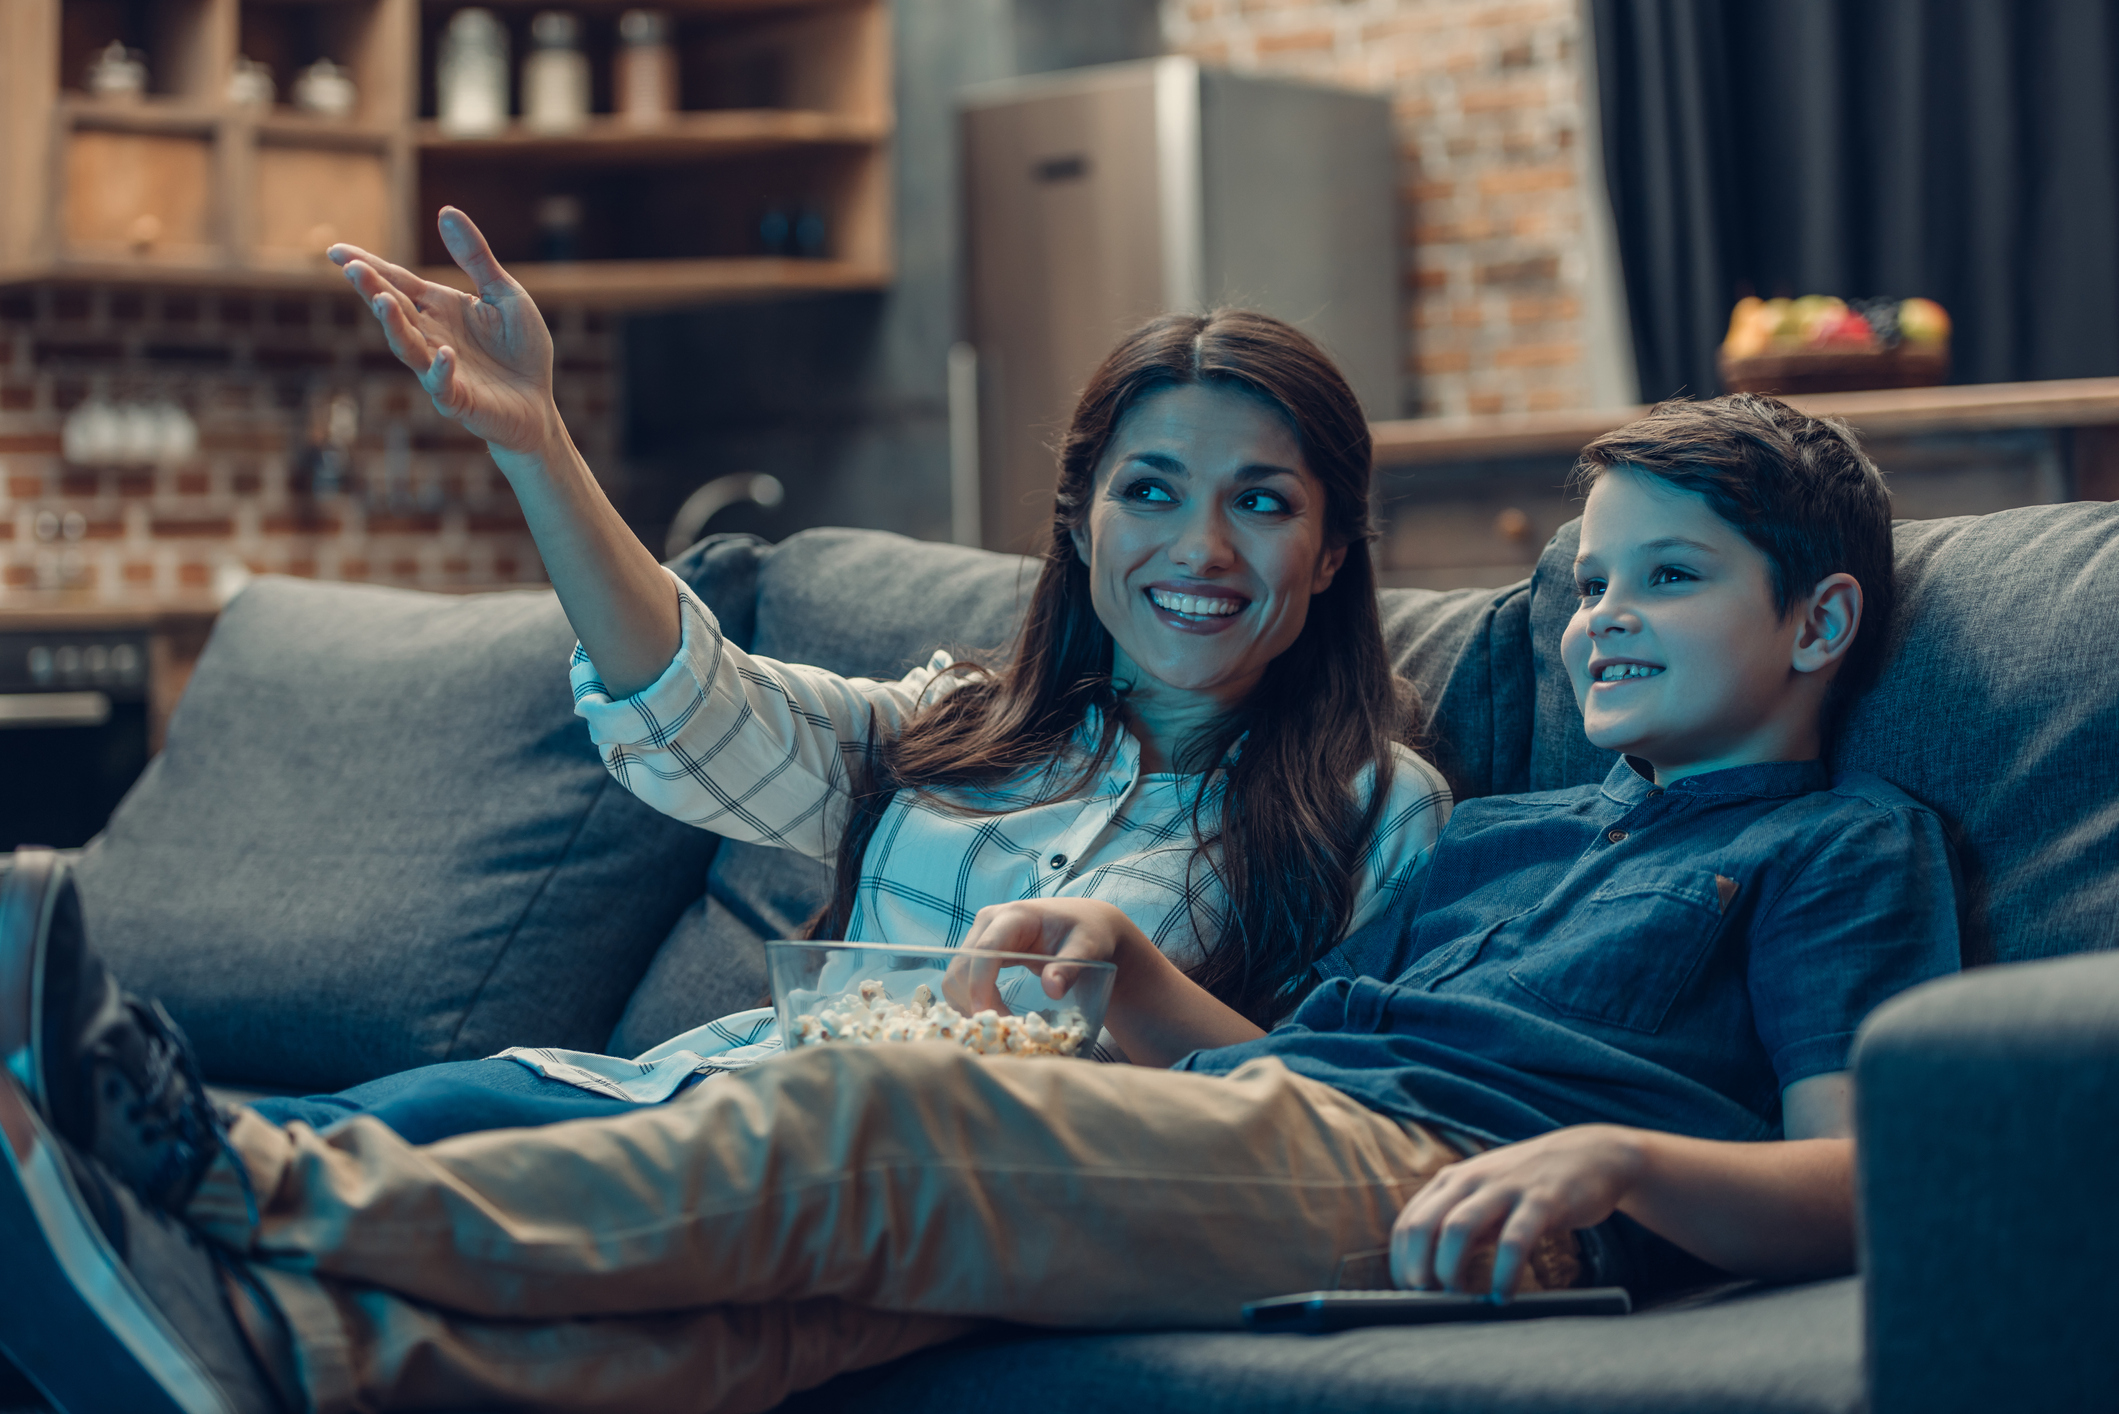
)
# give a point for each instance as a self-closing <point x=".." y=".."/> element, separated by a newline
<point x="159" y="1110"/>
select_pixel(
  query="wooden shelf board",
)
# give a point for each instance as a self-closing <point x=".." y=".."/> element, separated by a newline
<point x="708" y="134"/>
<point x="204" y="276"/>
<point x="622" y="283"/>
<point x="292" y="128"/>
<point x="680" y="8"/>
<point x="149" y="115"/>
<point x="2068" y="402"/>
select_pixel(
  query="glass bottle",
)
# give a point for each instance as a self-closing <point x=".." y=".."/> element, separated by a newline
<point x="647" y="68"/>
<point x="555" y="77"/>
<point x="471" y="80"/>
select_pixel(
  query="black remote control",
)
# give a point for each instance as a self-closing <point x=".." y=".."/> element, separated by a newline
<point x="1317" y="1312"/>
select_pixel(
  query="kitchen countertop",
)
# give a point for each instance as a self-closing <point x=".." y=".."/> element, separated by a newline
<point x="1885" y="412"/>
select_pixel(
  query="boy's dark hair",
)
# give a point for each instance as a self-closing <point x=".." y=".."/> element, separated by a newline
<point x="1797" y="487"/>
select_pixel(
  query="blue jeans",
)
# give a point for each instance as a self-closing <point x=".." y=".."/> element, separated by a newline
<point x="455" y="1097"/>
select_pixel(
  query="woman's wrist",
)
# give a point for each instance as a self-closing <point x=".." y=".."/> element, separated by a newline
<point x="552" y="452"/>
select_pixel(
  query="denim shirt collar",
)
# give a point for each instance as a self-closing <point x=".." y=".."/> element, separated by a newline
<point x="1629" y="782"/>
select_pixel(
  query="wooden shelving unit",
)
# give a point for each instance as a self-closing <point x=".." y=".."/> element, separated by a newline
<point x="787" y="110"/>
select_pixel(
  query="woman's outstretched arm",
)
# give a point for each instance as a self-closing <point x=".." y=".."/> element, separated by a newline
<point x="486" y="361"/>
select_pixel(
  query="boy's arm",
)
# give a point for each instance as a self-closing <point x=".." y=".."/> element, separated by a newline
<point x="1776" y="1210"/>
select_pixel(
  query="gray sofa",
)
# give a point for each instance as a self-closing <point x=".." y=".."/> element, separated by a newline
<point x="378" y="838"/>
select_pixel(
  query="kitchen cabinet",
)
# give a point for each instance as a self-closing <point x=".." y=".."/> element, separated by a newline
<point x="773" y="175"/>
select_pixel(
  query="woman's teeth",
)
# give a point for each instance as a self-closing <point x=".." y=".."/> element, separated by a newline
<point x="1195" y="605"/>
<point x="1614" y="672"/>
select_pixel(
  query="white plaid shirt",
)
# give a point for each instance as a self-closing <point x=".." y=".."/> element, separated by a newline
<point x="760" y="750"/>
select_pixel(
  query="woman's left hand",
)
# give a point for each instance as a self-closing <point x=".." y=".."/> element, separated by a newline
<point x="1061" y="928"/>
<point x="1511" y="1198"/>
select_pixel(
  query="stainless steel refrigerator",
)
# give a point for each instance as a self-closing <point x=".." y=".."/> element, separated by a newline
<point x="1098" y="197"/>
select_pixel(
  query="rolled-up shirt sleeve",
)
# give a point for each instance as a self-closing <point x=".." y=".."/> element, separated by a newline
<point x="746" y="746"/>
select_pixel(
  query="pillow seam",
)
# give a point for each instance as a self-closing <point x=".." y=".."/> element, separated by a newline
<point x="478" y="993"/>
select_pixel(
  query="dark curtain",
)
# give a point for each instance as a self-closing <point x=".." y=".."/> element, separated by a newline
<point x="1965" y="150"/>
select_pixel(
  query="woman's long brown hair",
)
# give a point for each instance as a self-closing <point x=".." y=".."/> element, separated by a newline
<point x="1292" y="832"/>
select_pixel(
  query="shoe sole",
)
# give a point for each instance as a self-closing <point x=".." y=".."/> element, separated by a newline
<point x="75" y="1320"/>
<point x="29" y="895"/>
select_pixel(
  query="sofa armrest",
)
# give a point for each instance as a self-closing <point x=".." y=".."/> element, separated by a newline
<point x="1987" y="1115"/>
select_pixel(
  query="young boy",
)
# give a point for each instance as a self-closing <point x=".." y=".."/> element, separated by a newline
<point x="1623" y="1007"/>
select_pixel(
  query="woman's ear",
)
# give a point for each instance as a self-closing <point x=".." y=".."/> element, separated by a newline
<point x="1328" y="565"/>
<point x="1080" y="537"/>
<point x="1831" y="618"/>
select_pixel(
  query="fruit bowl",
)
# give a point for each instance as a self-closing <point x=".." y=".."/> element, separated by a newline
<point x="1828" y="371"/>
<point x="875" y="993"/>
<point x="1824" y="344"/>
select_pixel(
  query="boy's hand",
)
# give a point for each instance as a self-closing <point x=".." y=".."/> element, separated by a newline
<point x="1511" y="1197"/>
<point x="485" y="359"/>
<point x="1059" y="927"/>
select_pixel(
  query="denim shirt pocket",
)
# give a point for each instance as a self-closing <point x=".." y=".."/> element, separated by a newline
<point x="1623" y="958"/>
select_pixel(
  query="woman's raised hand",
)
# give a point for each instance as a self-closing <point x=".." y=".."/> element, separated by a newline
<point x="485" y="359"/>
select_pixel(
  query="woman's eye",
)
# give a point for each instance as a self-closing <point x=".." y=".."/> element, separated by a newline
<point x="1270" y="502"/>
<point x="1150" y="493"/>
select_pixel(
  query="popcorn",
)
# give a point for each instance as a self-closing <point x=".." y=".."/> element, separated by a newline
<point x="867" y="1016"/>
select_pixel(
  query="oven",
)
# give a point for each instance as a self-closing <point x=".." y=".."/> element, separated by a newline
<point x="74" y="730"/>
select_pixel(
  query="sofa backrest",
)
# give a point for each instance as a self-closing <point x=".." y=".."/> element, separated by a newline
<point x="378" y="837"/>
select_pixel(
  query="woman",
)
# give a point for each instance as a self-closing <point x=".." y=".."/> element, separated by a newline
<point x="1196" y="723"/>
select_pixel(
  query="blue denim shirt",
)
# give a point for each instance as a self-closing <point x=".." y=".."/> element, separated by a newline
<point x="1667" y="957"/>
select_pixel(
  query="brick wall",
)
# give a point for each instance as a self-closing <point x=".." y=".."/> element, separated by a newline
<point x="1490" y="109"/>
<point x="412" y="501"/>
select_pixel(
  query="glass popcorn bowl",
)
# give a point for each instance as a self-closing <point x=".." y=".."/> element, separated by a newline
<point x="996" y="1004"/>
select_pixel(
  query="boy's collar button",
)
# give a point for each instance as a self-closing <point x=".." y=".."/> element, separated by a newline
<point x="1615" y="836"/>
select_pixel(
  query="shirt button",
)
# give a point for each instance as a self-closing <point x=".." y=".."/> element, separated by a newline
<point x="1616" y="836"/>
<point x="1058" y="861"/>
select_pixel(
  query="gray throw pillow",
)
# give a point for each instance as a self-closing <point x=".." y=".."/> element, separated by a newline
<point x="713" y="961"/>
<point x="378" y="837"/>
<point x="1999" y="707"/>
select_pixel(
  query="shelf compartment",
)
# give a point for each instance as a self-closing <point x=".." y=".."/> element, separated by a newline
<point x="146" y="198"/>
<point x="184" y="41"/>
<point x="307" y="196"/>
<point x="365" y="36"/>
<point x="794" y="55"/>
<point x="704" y="209"/>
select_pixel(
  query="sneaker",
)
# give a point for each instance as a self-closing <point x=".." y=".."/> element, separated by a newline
<point x="111" y="1304"/>
<point x="112" y="1074"/>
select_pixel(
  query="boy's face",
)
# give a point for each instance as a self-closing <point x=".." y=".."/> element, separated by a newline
<point x="1676" y="653"/>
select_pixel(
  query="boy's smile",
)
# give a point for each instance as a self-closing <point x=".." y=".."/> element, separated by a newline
<point x="1677" y="652"/>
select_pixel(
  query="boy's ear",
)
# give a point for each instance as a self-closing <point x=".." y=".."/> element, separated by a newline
<point x="1831" y="616"/>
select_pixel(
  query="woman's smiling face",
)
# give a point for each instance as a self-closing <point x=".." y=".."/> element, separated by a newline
<point x="1205" y="539"/>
